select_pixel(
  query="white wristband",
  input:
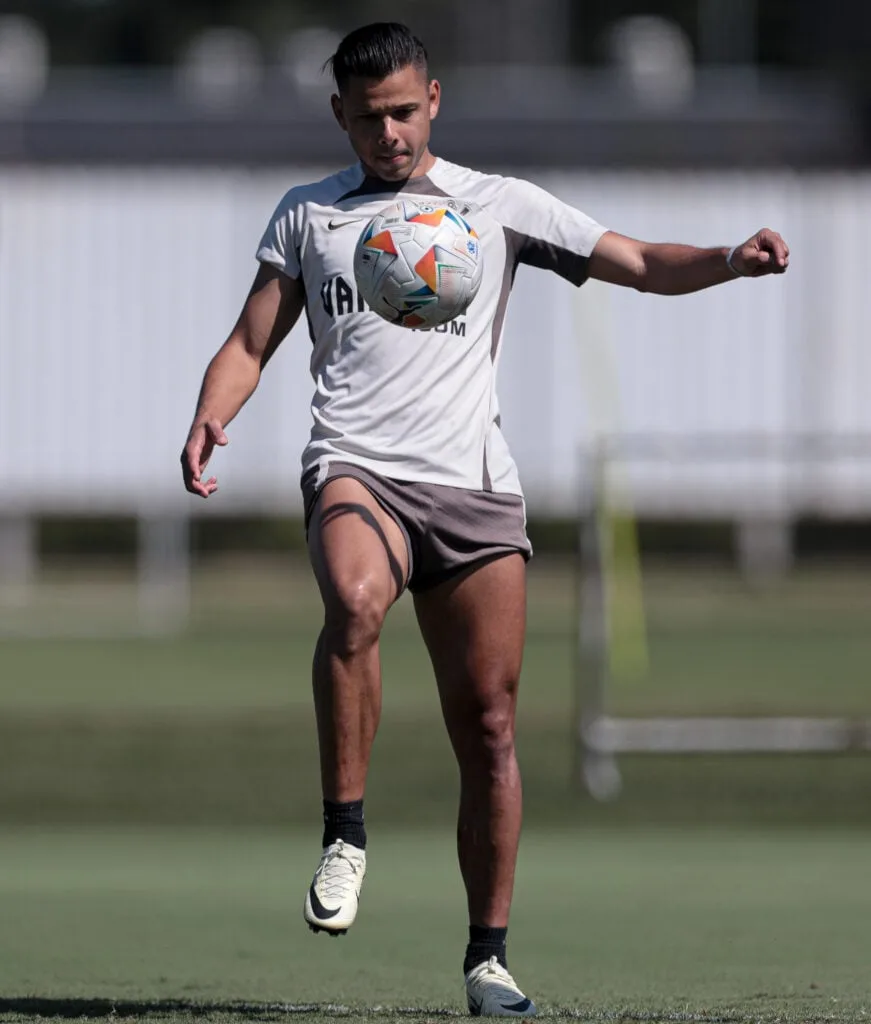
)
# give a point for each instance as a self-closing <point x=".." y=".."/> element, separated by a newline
<point x="731" y="266"/>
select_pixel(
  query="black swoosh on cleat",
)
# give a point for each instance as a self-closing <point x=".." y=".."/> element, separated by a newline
<point x="475" y="1007"/>
<point x="319" y="909"/>
<point x="520" y="1007"/>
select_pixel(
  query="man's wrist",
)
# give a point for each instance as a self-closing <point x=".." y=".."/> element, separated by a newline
<point x="199" y="423"/>
<point x="203" y="415"/>
<point x="729" y="262"/>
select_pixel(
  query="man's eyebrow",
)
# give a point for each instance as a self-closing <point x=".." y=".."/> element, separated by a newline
<point x="386" y="108"/>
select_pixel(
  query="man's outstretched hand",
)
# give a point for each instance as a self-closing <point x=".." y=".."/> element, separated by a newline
<point x="197" y="452"/>
<point x="764" y="253"/>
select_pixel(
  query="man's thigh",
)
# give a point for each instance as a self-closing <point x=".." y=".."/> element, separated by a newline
<point x="355" y="545"/>
<point x="474" y="625"/>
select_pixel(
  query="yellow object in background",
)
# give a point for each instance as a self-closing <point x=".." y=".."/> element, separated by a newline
<point x="618" y="537"/>
<point x="624" y="594"/>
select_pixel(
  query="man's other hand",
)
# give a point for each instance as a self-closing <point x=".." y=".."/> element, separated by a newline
<point x="197" y="452"/>
<point x="764" y="253"/>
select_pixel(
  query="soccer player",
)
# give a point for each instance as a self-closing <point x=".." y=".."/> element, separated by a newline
<point x="407" y="479"/>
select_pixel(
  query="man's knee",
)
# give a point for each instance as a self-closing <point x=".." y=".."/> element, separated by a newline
<point x="488" y="744"/>
<point x="496" y="727"/>
<point x="354" y="617"/>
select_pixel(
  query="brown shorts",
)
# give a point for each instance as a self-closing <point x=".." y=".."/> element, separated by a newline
<point x="446" y="529"/>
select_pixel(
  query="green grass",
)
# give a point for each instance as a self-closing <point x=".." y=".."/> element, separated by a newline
<point x="215" y="726"/>
<point x="679" y="925"/>
<point x="799" y="647"/>
<point x="717" y="646"/>
<point x="153" y="794"/>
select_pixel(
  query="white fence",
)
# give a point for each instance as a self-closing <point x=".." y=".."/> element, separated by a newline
<point x="117" y="286"/>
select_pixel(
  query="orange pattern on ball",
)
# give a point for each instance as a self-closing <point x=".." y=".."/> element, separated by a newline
<point x="383" y="242"/>
<point x="428" y="271"/>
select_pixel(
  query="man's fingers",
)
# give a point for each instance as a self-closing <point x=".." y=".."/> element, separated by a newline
<point x="196" y="454"/>
<point x="765" y="253"/>
<point x="196" y="487"/>
<point x="192" y="466"/>
<point x="190" y="463"/>
<point x="781" y="254"/>
<point x="771" y="242"/>
<point x="201" y="488"/>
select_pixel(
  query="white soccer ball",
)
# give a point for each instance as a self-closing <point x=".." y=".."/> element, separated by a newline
<point x="419" y="263"/>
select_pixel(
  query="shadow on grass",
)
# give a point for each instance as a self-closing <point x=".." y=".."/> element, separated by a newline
<point x="185" y="1011"/>
<point x="38" y="1006"/>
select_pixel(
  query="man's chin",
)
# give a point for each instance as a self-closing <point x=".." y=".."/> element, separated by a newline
<point x="394" y="170"/>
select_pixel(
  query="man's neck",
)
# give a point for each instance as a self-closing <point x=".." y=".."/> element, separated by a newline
<point x="424" y="165"/>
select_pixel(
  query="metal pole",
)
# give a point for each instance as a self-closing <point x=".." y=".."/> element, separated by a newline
<point x="164" y="572"/>
<point x="597" y="769"/>
<point x="19" y="558"/>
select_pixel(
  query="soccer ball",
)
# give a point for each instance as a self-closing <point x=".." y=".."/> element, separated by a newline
<point x="418" y="263"/>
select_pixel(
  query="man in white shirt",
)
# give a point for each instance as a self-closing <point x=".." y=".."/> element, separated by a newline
<point x="407" y="479"/>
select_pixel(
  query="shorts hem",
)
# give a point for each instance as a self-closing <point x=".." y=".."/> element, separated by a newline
<point x="435" y="579"/>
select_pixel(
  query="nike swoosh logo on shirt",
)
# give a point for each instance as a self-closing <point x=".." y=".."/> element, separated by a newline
<point x="342" y="223"/>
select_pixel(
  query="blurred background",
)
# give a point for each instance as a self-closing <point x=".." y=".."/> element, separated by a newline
<point x="698" y="470"/>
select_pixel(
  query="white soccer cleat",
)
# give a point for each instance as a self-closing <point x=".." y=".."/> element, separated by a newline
<point x="492" y="992"/>
<point x="332" y="900"/>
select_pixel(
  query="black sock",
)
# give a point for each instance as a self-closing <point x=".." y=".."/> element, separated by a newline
<point x="484" y="943"/>
<point x="344" y="821"/>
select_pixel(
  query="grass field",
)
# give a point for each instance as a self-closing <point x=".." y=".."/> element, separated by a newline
<point x="215" y="726"/>
<point x="159" y="814"/>
<point x="632" y="924"/>
<point x="716" y="645"/>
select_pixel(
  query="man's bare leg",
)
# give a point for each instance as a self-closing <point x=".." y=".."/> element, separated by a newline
<point x="474" y="627"/>
<point x="360" y="561"/>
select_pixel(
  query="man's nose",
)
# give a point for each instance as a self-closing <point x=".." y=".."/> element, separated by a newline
<point x="388" y="131"/>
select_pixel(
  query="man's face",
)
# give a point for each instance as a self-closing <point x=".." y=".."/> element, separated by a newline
<point x="388" y="120"/>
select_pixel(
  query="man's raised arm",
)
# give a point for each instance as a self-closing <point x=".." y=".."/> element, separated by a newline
<point x="670" y="269"/>
<point x="271" y="309"/>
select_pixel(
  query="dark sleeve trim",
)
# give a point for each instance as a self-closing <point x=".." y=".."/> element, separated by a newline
<point x="535" y="252"/>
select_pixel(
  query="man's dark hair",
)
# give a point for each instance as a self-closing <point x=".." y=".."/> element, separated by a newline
<point x="376" y="51"/>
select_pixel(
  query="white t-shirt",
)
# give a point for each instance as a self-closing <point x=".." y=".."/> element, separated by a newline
<point x="416" y="405"/>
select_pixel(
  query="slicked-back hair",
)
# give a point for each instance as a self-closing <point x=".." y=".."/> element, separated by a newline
<point x="376" y="51"/>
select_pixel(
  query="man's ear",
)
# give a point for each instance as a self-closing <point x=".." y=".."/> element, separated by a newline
<point x="336" y="103"/>
<point x="435" y="96"/>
